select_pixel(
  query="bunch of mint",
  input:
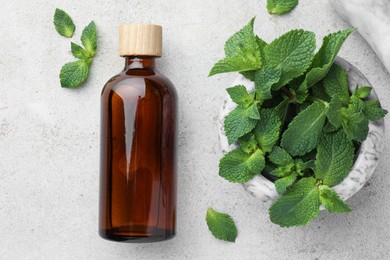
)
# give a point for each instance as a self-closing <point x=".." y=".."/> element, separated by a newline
<point x="300" y="126"/>
<point x="74" y="74"/>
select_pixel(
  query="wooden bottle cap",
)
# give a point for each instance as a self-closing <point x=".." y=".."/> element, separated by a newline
<point x="140" y="40"/>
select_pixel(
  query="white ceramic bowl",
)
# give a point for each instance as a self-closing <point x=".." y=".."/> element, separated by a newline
<point x="364" y="165"/>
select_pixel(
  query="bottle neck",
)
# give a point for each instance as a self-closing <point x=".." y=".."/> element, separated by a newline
<point x="140" y="62"/>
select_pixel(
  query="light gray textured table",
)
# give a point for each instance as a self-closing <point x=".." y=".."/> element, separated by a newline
<point x="49" y="136"/>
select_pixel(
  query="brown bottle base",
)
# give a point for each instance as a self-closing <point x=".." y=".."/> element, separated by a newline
<point x="125" y="237"/>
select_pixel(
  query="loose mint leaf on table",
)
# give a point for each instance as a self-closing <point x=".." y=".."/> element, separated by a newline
<point x="63" y="23"/>
<point x="292" y="53"/>
<point x="267" y="129"/>
<point x="73" y="74"/>
<point x="303" y="133"/>
<point x="89" y="38"/>
<point x="334" y="159"/>
<point x="373" y="111"/>
<point x="221" y="225"/>
<point x="285" y="182"/>
<point x="336" y="83"/>
<point x="281" y="6"/>
<point x="238" y="166"/>
<point x="242" y="52"/>
<point x="279" y="156"/>
<point x="265" y="78"/>
<point x="331" y="201"/>
<point x="362" y="92"/>
<point x="78" y="51"/>
<point x="239" y="122"/>
<point x="322" y="61"/>
<point x="298" y="206"/>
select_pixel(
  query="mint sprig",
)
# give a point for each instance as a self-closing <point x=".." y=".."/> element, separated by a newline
<point x="300" y="125"/>
<point x="74" y="74"/>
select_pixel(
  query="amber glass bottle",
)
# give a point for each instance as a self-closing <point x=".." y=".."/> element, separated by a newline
<point x="138" y="139"/>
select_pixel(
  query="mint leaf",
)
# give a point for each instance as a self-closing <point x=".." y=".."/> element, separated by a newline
<point x="334" y="112"/>
<point x="298" y="206"/>
<point x="285" y="182"/>
<point x="281" y="6"/>
<point x="237" y="166"/>
<point x="89" y="39"/>
<point x="322" y="61"/>
<point x="304" y="131"/>
<point x="267" y="129"/>
<point x="373" y="111"/>
<point x="354" y="121"/>
<point x="282" y="107"/>
<point x="251" y="74"/>
<point x="336" y="83"/>
<point x="78" y="51"/>
<point x="239" y="95"/>
<point x="238" y="123"/>
<point x="265" y="78"/>
<point x="221" y="225"/>
<point x="334" y="158"/>
<point x="318" y="91"/>
<point x="292" y="53"/>
<point x="73" y="74"/>
<point x="279" y="156"/>
<point x="248" y="143"/>
<point x="242" y="52"/>
<point x="63" y="23"/>
<point x="283" y="170"/>
<point x="331" y="201"/>
<point x="362" y="92"/>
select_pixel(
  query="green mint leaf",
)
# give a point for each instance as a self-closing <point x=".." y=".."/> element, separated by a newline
<point x="265" y="78"/>
<point x="334" y="112"/>
<point x="304" y="131"/>
<point x="78" y="51"/>
<point x="63" y="23"/>
<point x="221" y="225"/>
<point x="237" y="166"/>
<point x="308" y="165"/>
<point x="281" y="6"/>
<point x="298" y="206"/>
<point x="279" y="156"/>
<point x="285" y="182"/>
<point x="331" y="201"/>
<point x="373" y="111"/>
<point x="267" y="129"/>
<point x="282" y="107"/>
<point x="283" y="171"/>
<point x="329" y="128"/>
<point x="323" y="60"/>
<point x="362" y="92"/>
<point x="73" y="74"/>
<point x="242" y="52"/>
<point x="237" y="123"/>
<point x="292" y="53"/>
<point x="251" y="74"/>
<point x="89" y="39"/>
<point x="240" y="95"/>
<point x="256" y="162"/>
<point x="248" y="143"/>
<point x="334" y="158"/>
<point x="354" y="121"/>
<point x="336" y="83"/>
<point x="318" y="91"/>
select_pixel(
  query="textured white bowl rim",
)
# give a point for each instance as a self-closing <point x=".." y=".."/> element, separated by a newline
<point x="364" y="165"/>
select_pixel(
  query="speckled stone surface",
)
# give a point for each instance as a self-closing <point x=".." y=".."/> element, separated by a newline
<point x="363" y="167"/>
<point x="49" y="137"/>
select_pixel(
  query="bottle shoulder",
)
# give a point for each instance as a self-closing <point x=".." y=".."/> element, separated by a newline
<point x="138" y="79"/>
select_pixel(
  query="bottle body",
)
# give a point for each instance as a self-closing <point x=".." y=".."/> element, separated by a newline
<point x="138" y="155"/>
